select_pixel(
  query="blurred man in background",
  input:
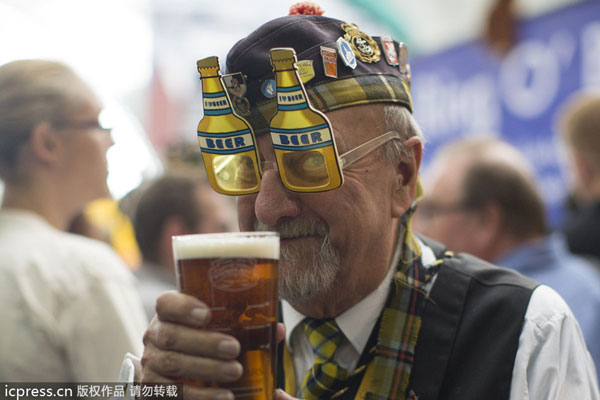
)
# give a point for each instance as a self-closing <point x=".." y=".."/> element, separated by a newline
<point x="173" y="205"/>
<point x="482" y="199"/>
<point x="580" y="130"/>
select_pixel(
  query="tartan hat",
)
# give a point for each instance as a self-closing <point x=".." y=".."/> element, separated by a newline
<point x="375" y="78"/>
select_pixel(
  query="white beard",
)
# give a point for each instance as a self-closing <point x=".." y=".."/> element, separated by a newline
<point x="304" y="272"/>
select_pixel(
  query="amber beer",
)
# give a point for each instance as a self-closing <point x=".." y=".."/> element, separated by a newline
<point x="235" y="274"/>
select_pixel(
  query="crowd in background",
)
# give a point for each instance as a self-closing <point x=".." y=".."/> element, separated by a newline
<point x="480" y="197"/>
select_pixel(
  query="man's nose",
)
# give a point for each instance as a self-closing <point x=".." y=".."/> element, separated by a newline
<point x="274" y="201"/>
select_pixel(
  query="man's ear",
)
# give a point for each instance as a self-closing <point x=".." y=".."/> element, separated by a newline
<point x="407" y="175"/>
<point x="45" y="143"/>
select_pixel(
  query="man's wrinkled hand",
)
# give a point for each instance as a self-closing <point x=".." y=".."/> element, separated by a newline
<point x="176" y="348"/>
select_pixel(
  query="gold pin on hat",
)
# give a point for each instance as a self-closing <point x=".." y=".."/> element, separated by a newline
<point x="305" y="70"/>
<point x="363" y="45"/>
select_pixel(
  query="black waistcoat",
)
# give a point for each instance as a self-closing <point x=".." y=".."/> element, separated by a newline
<point x="470" y="331"/>
<point x="469" y="337"/>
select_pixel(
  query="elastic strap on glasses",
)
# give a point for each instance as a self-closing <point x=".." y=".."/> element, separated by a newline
<point x="349" y="157"/>
<point x="362" y="150"/>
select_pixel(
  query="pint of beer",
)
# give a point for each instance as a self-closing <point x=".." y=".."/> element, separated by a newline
<point x="235" y="274"/>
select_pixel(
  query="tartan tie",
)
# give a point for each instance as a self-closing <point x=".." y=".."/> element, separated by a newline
<point x="325" y="377"/>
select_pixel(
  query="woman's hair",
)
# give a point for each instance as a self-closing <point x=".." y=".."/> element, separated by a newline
<point x="33" y="92"/>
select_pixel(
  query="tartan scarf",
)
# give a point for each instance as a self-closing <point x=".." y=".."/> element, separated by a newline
<point x="388" y="372"/>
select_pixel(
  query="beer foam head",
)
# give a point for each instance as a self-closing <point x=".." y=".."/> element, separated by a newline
<point x="227" y="245"/>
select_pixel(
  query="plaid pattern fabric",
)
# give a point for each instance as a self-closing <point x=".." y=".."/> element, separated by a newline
<point x="323" y="379"/>
<point x="387" y="372"/>
<point x="335" y="94"/>
<point x="400" y="324"/>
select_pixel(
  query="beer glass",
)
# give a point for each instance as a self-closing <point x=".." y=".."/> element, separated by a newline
<point x="235" y="274"/>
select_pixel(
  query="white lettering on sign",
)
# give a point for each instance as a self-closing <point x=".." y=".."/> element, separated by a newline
<point x="590" y="55"/>
<point x="444" y="105"/>
<point x="529" y="78"/>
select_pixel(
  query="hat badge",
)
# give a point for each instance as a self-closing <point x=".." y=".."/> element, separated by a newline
<point x="235" y="84"/>
<point x="363" y="45"/>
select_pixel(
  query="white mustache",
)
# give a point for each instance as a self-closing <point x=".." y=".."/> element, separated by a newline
<point x="304" y="272"/>
<point x="296" y="228"/>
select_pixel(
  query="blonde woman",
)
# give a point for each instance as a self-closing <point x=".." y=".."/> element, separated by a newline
<point x="68" y="306"/>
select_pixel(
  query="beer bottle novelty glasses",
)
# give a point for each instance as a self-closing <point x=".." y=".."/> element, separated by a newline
<point x="302" y="137"/>
<point x="226" y="139"/>
<point x="305" y="152"/>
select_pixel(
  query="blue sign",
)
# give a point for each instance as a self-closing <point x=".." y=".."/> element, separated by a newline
<point x="469" y="90"/>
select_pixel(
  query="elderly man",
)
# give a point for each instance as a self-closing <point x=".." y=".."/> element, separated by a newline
<point x="407" y="319"/>
<point x="487" y="188"/>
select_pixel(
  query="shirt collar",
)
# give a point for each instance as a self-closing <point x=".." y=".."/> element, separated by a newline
<point x="535" y="254"/>
<point x="357" y="322"/>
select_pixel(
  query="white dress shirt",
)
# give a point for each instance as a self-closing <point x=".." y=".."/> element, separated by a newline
<point x="552" y="361"/>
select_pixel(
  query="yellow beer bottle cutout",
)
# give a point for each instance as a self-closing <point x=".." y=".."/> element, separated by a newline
<point x="226" y="139"/>
<point x="302" y="136"/>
